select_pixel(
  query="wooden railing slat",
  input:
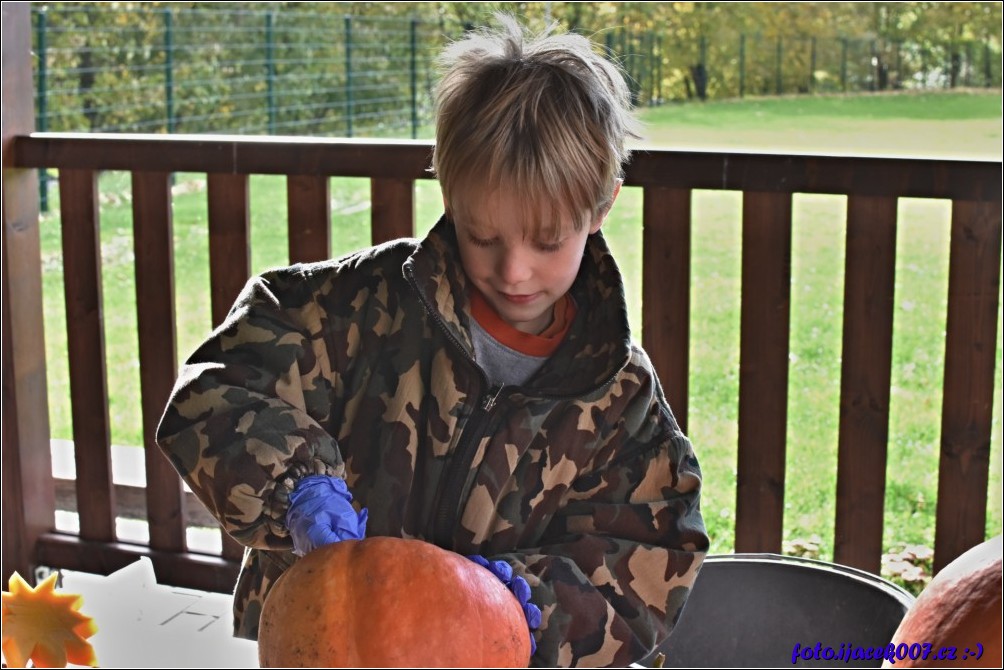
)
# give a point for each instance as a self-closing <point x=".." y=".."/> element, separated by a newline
<point x="85" y="343"/>
<point x="308" y="201"/>
<point x="666" y="291"/>
<point x="970" y="352"/>
<point x="865" y="381"/>
<point x="229" y="240"/>
<point x="393" y="213"/>
<point x="763" y="370"/>
<point x="153" y="247"/>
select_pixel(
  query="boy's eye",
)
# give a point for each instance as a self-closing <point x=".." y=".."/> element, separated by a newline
<point x="479" y="242"/>
<point x="548" y="247"/>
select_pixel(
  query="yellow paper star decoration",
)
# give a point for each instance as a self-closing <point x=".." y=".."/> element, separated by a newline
<point x="45" y="626"/>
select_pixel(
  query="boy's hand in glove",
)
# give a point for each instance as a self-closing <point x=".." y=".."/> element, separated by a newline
<point x="519" y="588"/>
<point x="321" y="512"/>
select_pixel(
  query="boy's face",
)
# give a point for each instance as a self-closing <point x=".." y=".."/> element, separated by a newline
<point x="520" y="276"/>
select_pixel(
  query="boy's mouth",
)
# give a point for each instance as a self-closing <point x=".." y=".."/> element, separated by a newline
<point x="519" y="298"/>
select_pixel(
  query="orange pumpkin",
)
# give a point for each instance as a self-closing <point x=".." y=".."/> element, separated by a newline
<point x="960" y="608"/>
<point x="391" y="602"/>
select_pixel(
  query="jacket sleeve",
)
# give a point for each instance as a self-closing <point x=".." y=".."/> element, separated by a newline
<point x="617" y="562"/>
<point x="241" y="425"/>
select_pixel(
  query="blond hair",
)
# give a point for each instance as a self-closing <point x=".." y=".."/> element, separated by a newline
<point x="544" y="115"/>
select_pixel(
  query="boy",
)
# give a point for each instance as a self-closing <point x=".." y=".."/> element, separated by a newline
<point x="477" y="389"/>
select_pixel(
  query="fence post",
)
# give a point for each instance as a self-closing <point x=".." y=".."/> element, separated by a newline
<point x="812" y="64"/>
<point x="953" y="59"/>
<point x="642" y="67"/>
<point x="270" y="69"/>
<point x="923" y="65"/>
<point x="169" y="68"/>
<point x="899" y="65"/>
<point x="42" y="120"/>
<point x="843" y="64"/>
<point x="969" y="64"/>
<point x="987" y="77"/>
<point x="349" y="111"/>
<point x="651" y="68"/>
<point x="634" y="80"/>
<point x="659" y="70"/>
<point x="778" y="85"/>
<point x="875" y="67"/>
<point x="414" y="78"/>
<point x="742" y="65"/>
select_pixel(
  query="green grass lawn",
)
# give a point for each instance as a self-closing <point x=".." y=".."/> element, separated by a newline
<point x="957" y="125"/>
<point x="968" y="123"/>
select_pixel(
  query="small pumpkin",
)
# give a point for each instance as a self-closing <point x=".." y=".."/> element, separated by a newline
<point x="959" y="608"/>
<point x="390" y="602"/>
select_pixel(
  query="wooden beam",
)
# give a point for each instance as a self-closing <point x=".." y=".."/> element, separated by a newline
<point x="977" y="180"/>
<point x="190" y="570"/>
<point x="131" y="502"/>
<point x="786" y="173"/>
<point x="397" y="159"/>
<point x="28" y="495"/>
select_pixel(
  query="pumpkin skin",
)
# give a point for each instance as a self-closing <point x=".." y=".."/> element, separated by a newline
<point x="960" y="607"/>
<point x="390" y="602"/>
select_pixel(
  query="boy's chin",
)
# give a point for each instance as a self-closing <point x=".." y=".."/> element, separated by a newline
<point x="532" y="321"/>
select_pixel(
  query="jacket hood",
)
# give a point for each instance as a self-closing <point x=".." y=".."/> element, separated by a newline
<point x="597" y="345"/>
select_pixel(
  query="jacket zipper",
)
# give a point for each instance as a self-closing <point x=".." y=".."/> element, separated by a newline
<point x="444" y="519"/>
<point x="460" y="466"/>
<point x="456" y="475"/>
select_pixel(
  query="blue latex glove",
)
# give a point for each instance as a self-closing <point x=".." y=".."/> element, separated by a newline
<point x="320" y="512"/>
<point x="519" y="588"/>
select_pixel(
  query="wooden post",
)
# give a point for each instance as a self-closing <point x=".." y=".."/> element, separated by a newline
<point x="29" y="497"/>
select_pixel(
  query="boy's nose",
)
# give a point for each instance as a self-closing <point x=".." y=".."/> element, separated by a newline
<point x="513" y="267"/>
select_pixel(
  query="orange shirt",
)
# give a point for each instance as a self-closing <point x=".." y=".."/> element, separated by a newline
<point x="544" y="344"/>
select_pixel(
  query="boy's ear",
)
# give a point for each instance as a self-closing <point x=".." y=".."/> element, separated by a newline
<point x="598" y="223"/>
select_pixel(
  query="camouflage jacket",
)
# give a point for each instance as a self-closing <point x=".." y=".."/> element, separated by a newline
<point x="362" y="367"/>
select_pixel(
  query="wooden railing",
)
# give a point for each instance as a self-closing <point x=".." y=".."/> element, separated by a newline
<point x="667" y="178"/>
<point x="768" y="182"/>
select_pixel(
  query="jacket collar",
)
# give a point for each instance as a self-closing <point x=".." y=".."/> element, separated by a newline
<point x="598" y="343"/>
